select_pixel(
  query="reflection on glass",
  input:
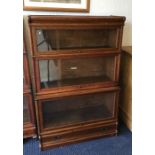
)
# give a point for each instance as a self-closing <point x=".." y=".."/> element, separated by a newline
<point x="24" y="81"/>
<point x="26" y="117"/>
<point x="51" y="40"/>
<point x="65" y="72"/>
<point x="77" y="109"/>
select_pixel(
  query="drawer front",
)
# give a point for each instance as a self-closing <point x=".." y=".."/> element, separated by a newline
<point x="59" y="139"/>
<point x="80" y="109"/>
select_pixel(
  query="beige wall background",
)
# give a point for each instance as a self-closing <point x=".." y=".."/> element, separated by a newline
<point x="101" y="8"/>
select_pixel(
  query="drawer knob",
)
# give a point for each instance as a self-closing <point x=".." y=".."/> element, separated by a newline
<point x="104" y="129"/>
<point x="56" y="137"/>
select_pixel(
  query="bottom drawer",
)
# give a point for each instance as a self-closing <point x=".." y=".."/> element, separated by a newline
<point x="48" y="141"/>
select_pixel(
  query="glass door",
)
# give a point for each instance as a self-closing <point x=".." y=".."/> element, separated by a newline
<point x="58" y="40"/>
<point x="26" y="114"/>
<point x="70" y="110"/>
<point x="55" y="73"/>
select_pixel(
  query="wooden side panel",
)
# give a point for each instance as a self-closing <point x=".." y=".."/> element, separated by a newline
<point x="126" y="92"/>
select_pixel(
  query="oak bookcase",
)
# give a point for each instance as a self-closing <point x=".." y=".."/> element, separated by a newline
<point x="76" y="61"/>
<point x="29" y="128"/>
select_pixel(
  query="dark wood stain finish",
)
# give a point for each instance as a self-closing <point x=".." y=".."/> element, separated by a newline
<point x="29" y="128"/>
<point x="71" y="72"/>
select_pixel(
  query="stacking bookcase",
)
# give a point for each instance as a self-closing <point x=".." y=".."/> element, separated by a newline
<point x="76" y="61"/>
<point x="29" y="128"/>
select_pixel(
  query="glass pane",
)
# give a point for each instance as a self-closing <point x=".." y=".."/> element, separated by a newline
<point x="26" y="117"/>
<point x="51" y="40"/>
<point x="77" y="109"/>
<point x="65" y="72"/>
<point x="24" y="81"/>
